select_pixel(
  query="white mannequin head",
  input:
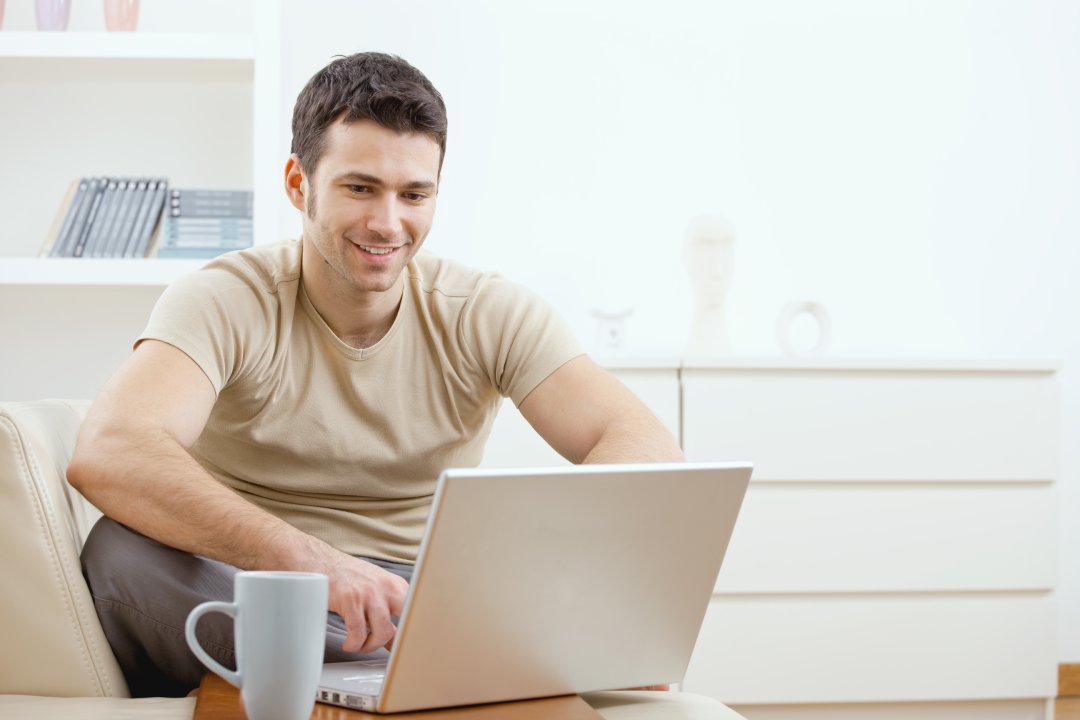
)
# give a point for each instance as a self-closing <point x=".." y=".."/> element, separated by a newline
<point x="708" y="252"/>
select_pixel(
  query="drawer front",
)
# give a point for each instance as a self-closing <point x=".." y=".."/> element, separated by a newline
<point x="993" y="710"/>
<point x="876" y="648"/>
<point x="867" y="425"/>
<point x="881" y="537"/>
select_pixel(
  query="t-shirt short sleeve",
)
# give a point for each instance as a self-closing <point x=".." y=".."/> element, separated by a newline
<point x="215" y="318"/>
<point x="515" y="336"/>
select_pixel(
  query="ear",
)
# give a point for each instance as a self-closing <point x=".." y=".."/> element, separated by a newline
<point x="294" y="182"/>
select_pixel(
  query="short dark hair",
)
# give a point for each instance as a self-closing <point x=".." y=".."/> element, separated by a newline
<point x="371" y="85"/>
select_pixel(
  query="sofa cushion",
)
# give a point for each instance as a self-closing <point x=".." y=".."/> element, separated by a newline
<point x="97" y="708"/>
<point x="52" y="641"/>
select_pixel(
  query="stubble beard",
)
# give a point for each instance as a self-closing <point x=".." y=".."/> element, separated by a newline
<point x="337" y="256"/>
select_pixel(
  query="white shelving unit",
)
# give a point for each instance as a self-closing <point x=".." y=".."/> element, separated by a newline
<point x="175" y="104"/>
<point x="94" y="271"/>
<point x="128" y="46"/>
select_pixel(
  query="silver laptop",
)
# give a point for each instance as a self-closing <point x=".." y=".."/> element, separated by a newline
<point x="541" y="582"/>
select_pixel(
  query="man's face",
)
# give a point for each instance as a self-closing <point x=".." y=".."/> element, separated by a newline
<point x="369" y="204"/>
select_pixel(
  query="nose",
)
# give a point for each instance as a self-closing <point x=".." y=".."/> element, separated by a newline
<point x="385" y="218"/>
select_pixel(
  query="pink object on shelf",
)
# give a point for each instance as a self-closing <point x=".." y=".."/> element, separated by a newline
<point x="1" y="14"/>
<point x="52" y="14"/>
<point x="121" y="15"/>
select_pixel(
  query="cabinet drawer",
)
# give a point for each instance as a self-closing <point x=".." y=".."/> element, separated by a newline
<point x="974" y="710"/>
<point x="876" y="648"/>
<point x="865" y="425"/>
<point x="880" y="537"/>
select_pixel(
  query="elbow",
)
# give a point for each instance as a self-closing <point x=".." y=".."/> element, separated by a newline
<point x="83" y="468"/>
<point x="92" y="460"/>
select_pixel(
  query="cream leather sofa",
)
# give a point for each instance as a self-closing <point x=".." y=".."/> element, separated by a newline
<point x="54" y="659"/>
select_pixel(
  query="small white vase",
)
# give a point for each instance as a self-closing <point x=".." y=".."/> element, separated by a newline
<point x="708" y="253"/>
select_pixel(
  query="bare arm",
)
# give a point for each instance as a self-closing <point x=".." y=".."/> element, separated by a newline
<point x="588" y="416"/>
<point x="131" y="461"/>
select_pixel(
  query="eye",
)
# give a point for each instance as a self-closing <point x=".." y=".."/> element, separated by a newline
<point x="415" y="197"/>
<point x="358" y="188"/>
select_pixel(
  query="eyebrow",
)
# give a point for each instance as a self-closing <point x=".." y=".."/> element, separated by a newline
<point x="366" y="179"/>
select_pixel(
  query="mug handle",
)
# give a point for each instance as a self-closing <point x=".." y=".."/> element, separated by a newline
<point x="189" y="634"/>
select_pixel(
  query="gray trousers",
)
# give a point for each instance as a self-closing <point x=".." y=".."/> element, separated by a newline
<point x="143" y="591"/>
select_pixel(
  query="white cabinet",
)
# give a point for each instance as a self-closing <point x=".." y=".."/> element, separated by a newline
<point x="897" y="544"/>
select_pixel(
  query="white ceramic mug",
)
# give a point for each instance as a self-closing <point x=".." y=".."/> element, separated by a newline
<point x="279" y="626"/>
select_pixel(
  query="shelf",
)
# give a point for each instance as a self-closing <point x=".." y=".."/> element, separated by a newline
<point x="127" y="46"/>
<point x="94" y="271"/>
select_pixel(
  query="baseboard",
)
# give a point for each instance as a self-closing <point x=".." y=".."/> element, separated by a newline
<point x="1069" y="680"/>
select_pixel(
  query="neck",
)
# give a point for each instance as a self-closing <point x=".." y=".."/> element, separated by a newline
<point x="360" y="318"/>
<point x="369" y="320"/>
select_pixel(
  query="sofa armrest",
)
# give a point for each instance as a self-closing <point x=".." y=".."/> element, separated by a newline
<point x="53" y="643"/>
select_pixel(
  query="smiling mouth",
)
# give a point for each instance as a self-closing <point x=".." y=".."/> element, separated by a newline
<point x="378" y="250"/>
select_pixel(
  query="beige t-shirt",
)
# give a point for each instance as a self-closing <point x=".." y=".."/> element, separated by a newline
<point x="347" y="444"/>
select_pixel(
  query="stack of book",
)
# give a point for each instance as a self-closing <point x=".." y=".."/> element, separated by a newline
<point x="108" y="217"/>
<point x="206" y="223"/>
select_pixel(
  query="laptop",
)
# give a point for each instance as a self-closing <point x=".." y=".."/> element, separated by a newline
<point x="555" y="581"/>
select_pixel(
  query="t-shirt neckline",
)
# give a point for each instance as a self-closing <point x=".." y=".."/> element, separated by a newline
<point x="343" y="347"/>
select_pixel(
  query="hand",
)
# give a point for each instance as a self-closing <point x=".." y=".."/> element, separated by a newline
<point x="366" y="596"/>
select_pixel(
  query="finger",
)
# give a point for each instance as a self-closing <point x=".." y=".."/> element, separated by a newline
<point x="396" y="598"/>
<point x="356" y="632"/>
<point x="380" y="630"/>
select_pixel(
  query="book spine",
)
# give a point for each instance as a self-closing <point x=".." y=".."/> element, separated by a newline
<point x="119" y="208"/>
<point x="211" y="211"/>
<point x="124" y="192"/>
<point x="153" y="214"/>
<point x="141" y="212"/>
<point x="59" y="248"/>
<point x="210" y="203"/>
<point x="211" y="195"/>
<point x="136" y="196"/>
<point x="123" y="216"/>
<point x="99" y="231"/>
<point x="97" y="186"/>
<point x="239" y="244"/>
<point x="208" y="231"/>
<point x="195" y="222"/>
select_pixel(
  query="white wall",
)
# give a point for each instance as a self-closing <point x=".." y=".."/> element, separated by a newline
<point x="63" y="342"/>
<point x="911" y="164"/>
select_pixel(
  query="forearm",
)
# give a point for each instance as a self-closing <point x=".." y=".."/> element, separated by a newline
<point x="146" y="480"/>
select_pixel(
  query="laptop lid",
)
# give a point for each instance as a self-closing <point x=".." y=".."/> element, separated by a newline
<point x="542" y="582"/>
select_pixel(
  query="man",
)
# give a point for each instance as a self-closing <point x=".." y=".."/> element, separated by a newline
<point x="290" y="407"/>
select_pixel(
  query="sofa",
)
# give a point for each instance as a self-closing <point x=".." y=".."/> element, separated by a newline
<point x="54" y="658"/>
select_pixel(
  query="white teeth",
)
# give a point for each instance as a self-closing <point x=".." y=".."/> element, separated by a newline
<point x="378" y="251"/>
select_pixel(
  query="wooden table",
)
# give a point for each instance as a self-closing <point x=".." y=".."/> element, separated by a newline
<point x="218" y="700"/>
